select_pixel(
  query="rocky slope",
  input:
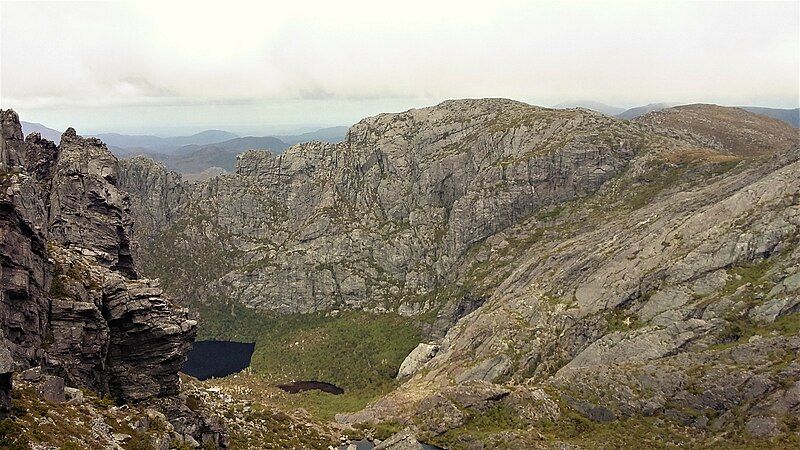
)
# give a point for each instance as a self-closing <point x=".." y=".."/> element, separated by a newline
<point x="74" y="308"/>
<point x="578" y="272"/>
<point x="676" y="309"/>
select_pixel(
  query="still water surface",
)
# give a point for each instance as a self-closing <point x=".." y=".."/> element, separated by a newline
<point x="216" y="359"/>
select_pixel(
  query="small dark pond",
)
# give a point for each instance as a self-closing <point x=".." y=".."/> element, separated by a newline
<point x="215" y="359"/>
<point x="368" y="445"/>
<point x="300" y="386"/>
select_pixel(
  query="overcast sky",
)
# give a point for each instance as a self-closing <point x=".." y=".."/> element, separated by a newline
<point x="179" y="67"/>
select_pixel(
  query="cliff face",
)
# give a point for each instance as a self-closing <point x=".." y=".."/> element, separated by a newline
<point x="72" y="300"/>
<point x="381" y="221"/>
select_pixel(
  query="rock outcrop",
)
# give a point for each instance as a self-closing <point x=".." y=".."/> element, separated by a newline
<point x="404" y="440"/>
<point x="72" y="299"/>
<point x="417" y="359"/>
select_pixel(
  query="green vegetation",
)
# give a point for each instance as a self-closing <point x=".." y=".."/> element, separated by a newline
<point x="620" y="320"/>
<point x="752" y="274"/>
<point x="277" y="430"/>
<point x="382" y="430"/>
<point x="71" y="446"/>
<point x="179" y="445"/>
<point x="11" y="436"/>
<point x="352" y="349"/>
<point x="661" y="177"/>
<point x="500" y="428"/>
<point x="106" y="401"/>
<point x="139" y="442"/>
<point x="646" y="432"/>
<point x="741" y="329"/>
<point x="652" y="183"/>
<point x="482" y="426"/>
<point x="324" y="407"/>
<point x="64" y="427"/>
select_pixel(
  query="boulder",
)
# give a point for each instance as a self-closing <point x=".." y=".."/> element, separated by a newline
<point x="762" y="427"/>
<point x="74" y="396"/>
<point x="417" y="359"/>
<point x="33" y="374"/>
<point x="404" y="440"/>
<point x="51" y="389"/>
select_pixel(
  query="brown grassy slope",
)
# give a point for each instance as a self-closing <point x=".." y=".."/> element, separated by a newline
<point x="740" y="132"/>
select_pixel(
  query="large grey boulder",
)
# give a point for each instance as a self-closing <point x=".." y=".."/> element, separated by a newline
<point x="51" y="389"/>
<point x="404" y="440"/>
<point x="415" y="360"/>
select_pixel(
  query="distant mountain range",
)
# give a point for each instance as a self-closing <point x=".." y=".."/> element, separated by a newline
<point x="332" y="134"/>
<point x="639" y="111"/>
<point x="164" y="145"/>
<point x="199" y="155"/>
<point x="212" y="152"/>
<point x="194" y="158"/>
<point x="589" y="104"/>
<point x="790" y="116"/>
<point x="47" y="133"/>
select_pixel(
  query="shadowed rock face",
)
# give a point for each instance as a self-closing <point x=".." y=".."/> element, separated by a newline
<point x="77" y="307"/>
<point x="86" y="208"/>
<point x="72" y="300"/>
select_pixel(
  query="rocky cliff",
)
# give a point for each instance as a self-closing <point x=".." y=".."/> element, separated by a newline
<point x="585" y="273"/>
<point x="73" y="305"/>
<point x="668" y="299"/>
<point x="382" y="220"/>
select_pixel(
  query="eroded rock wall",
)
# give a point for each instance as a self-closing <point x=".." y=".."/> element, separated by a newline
<point x="380" y="221"/>
<point x="72" y="299"/>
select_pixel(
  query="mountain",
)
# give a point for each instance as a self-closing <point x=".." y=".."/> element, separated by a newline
<point x="331" y="135"/>
<point x="544" y="277"/>
<point x="82" y="330"/>
<point x="47" y="133"/>
<point x="238" y="145"/>
<point x="594" y="106"/>
<point x="128" y="141"/>
<point x="164" y="145"/>
<point x="194" y="159"/>
<point x="127" y="144"/>
<point x="734" y="130"/>
<point x="633" y="113"/>
<point x="202" y="138"/>
<point x="790" y="116"/>
<point x="480" y="273"/>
